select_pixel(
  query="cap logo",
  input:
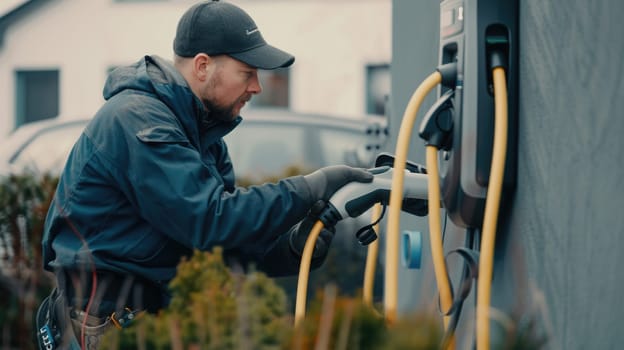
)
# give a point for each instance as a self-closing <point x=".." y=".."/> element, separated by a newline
<point x="249" y="32"/>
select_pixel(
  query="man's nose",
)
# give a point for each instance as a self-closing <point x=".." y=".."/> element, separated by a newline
<point x="254" y="86"/>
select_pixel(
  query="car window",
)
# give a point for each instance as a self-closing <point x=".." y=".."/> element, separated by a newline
<point x="48" y="150"/>
<point x="259" y="151"/>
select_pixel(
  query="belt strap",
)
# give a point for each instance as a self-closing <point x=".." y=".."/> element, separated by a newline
<point x="114" y="292"/>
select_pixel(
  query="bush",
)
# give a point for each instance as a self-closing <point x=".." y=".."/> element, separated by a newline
<point x="212" y="308"/>
<point x="24" y="202"/>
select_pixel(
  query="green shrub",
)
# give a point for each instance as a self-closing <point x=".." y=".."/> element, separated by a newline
<point x="24" y="202"/>
<point x="212" y="308"/>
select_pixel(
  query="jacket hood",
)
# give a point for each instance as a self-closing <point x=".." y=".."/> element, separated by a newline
<point x="154" y="75"/>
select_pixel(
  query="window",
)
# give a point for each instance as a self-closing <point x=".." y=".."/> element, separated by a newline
<point x="37" y="95"/>
<point x="275" y="84"/>
<point x="377" y="88"/>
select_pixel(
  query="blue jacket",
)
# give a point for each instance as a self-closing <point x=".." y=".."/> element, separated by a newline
<point x="150" y="179"/>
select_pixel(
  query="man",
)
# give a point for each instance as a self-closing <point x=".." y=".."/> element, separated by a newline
<point x="150" y="179"/>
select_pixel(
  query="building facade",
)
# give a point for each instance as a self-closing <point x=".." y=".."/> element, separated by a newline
<point x="55" y="54"/>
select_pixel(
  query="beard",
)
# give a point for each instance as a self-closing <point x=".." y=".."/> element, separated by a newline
<point x="215" y="111"/>
<point x="219" y="113"/>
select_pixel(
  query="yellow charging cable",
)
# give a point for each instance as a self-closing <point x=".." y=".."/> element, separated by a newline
<point x="304" y="272"/>
<point x="371" y="261"/>
<point x="492" y="205"/>
<point x="306" y="260"/>
<point x="396" y="194"/>
<point x="435" y="237"/>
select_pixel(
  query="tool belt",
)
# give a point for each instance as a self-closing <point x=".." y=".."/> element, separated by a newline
<point x="61" y="319"/>
<point x="53" y="324"/>
<point x="114" y="292"/>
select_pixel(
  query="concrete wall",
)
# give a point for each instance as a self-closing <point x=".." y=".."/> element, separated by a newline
<point x="333" y="41"/>
<point x="559" y="248"/>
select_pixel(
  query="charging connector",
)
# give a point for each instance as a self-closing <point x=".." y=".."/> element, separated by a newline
<point x="448" y="71"/>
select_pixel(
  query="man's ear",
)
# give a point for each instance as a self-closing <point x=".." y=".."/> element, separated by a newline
<point x="202" y="66"/>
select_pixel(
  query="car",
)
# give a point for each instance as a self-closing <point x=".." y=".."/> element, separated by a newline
<point x="267" y="142"/>
<point x="40" y="147"/>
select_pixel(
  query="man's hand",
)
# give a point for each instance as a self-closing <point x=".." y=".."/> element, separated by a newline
<point x="326" y="181"/>
<point x="299" y="234"/>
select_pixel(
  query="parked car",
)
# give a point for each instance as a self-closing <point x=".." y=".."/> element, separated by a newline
<point x="39" y="147"/>
<point x="269" y="140"/>
<point x="262" y="147"/>
<point x="264" y="144"/>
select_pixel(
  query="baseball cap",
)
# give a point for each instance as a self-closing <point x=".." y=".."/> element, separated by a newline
<point x="217" y="28"/>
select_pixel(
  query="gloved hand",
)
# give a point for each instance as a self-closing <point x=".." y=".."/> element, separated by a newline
<point x="326" y="181"/>
<point x="299" y="233"/>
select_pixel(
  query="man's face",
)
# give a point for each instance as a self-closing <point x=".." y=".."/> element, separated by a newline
<point x="230" y="85"/>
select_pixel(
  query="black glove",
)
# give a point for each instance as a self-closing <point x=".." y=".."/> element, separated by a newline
<point x="326" y="181"/>
<point x="299" y="234"/>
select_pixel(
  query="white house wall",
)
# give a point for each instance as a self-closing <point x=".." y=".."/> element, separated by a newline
<point x="333" y="41"/>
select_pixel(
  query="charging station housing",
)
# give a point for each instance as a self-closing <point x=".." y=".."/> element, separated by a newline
<point x="469" y="31"/>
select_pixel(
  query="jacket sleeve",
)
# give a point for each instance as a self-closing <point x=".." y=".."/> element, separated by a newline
<point x="183" y="195"/>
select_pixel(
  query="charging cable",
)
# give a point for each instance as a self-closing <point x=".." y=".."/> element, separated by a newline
<point x="445" y="74"/>
<point x="435" y="234"/>
<point x="435" y="129"/>
<point x="304" y="272"/>
<point x="396" y="195"/>
<point x="371" y="261"/>
<point x="492" y="203"/>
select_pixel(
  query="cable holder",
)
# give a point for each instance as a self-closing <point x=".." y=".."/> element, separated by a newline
<point x="437" y="125"/>
<point x="448" y="71"/>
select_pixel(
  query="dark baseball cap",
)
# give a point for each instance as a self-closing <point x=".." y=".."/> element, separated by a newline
<point x="220" y="28"/>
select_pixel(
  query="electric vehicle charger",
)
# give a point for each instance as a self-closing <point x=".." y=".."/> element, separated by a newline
<point x="478" y="162"/>
<point x="356" y="198"/>
<point x="352" y="200"/>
